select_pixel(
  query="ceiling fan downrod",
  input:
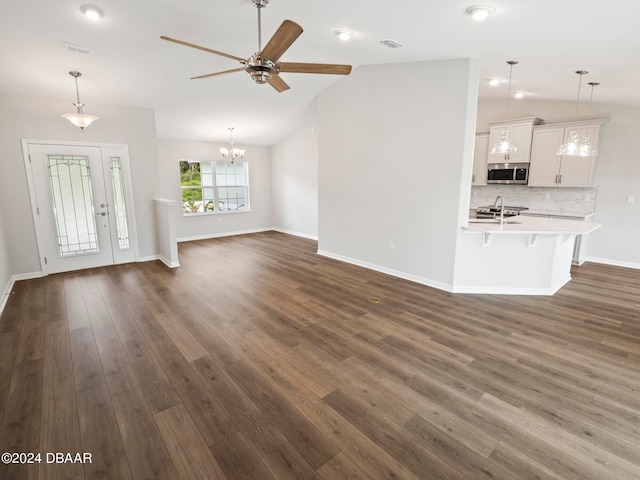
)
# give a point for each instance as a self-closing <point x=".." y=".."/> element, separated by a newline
<point x="260" y="4"/>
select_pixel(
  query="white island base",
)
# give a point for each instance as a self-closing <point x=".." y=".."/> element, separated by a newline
<point x="530" y="257"/>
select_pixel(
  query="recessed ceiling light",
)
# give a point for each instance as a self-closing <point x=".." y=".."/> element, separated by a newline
<point x="480" y="12"/>
<point x="494" y="82"/>
<point x="344" y="35"/>
<point x="92" y="12"/>
<point x="519" y="94"/>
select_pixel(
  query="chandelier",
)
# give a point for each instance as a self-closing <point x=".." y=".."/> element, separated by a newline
<point x="79" y="119"/>
<point x="231" y="153"/>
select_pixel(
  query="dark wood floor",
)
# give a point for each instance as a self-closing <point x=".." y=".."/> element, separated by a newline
<point x="258" y="359"/>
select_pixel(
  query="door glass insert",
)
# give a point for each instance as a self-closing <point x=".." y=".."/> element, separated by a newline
<point x="120" y="208"/>
<point x="72" y="204"/>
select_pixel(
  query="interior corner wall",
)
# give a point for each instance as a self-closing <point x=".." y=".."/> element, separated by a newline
<point x="37" y="118"/>
<point x="294" y="200"/>
<point x="191" y="227"/>
<point x="395" y="161"/>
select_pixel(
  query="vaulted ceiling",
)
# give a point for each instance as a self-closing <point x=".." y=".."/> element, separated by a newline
<point x="129" y="65"/>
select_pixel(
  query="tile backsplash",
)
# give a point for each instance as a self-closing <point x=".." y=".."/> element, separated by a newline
<point x="561" y="201"/>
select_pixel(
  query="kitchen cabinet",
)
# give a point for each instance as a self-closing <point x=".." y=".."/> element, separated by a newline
<point x="550" y="170"/>
<point x="521" y="134"/>
<point x="480" y="156"/>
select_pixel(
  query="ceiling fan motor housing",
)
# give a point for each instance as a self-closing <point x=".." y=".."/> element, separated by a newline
<point x="260" y="69"/>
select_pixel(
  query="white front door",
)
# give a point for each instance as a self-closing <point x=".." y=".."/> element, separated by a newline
<point x="82" y="205"/>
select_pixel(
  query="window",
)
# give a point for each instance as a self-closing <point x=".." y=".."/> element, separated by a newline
<point x="214" y="187"/>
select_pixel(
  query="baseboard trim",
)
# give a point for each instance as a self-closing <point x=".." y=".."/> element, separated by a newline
<point x="12" y="281"/>
<point x="223" y="234"/>
<point x="389" y="271"/>
<point x="296" y="234"/>
<point x="613" y="263"/>
<point x="542" y="291"/>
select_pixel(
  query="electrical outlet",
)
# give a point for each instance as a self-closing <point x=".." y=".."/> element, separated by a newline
<point x="547" y="196"/>
<point x="631" y="199"/>
<point x="587" y="197"/>
<point x="392" y="246"/>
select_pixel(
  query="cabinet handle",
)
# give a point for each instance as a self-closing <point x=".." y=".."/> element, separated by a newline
<point x="560" y="178"/>
<point x="473" y="178"/>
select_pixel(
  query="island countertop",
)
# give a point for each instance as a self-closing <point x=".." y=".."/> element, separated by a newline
<point x="521" y="224"/>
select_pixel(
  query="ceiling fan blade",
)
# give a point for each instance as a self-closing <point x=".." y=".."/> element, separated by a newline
<point x="241" y="69"/>
<point x="329" y="68"/>
<point x="205" y="49"/>
<point x="276" y="82"/>
<point x="281" y="40"/>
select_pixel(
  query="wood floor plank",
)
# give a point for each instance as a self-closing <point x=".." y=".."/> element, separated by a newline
<point x="87" y="368"/>
<point x="20" y="427"/>
<point x="100" y="435"/>
<point x="57" y="348"/>
<point x="240" y="460"/>
<point x="341" y="467"/>
<point x="300" y="433"/>
<point x="115" y="364"/>
<point x="144" y="447"/>
<point x="60" y="430"/>
<point x="157" y="389"/>
<point x="188" y="450"/>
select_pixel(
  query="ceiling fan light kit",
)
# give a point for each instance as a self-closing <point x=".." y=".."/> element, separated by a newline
<point x="264" y="66"/>
<point x="79" y="119"/>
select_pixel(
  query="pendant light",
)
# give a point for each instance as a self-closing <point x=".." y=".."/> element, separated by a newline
<point x="79" y="119"/>
<point x="575" y="146"/>
<point x="232" y="153"/>
<point x="504" y="145"/>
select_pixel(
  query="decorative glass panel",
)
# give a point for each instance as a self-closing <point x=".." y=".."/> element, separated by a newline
<point x="119" y="208"/>
<point x="72" y="203"/>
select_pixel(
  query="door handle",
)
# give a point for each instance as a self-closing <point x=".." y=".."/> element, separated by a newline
<point x="104" y="214"/>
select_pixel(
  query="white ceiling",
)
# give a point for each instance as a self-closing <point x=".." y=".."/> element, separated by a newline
<point x="129" y="65"/>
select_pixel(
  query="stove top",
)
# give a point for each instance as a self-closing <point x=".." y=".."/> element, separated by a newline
<point x="491" y="211"/>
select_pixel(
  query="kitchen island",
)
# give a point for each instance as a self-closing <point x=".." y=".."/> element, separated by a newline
<point x="523" y="256"/>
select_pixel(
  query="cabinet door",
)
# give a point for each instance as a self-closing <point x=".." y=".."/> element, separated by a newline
<point x="578" y="171"/>
<point x="545" y="164"/>
<point x="480" y="155"/>
<point x="520" y="134"/>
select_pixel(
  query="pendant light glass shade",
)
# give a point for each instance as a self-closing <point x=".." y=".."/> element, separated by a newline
<point x="79" y="119"/>
<point x="232" y="153"/>
<point x="504" y="145"/>
<point x="579" y="146"/>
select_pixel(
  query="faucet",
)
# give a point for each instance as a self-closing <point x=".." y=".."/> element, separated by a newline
<point x="495" y="205"/>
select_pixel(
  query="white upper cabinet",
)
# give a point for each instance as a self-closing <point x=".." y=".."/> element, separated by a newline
<point x="480" y="155"/>
<point x="550" y="170"/>
<point x="521" y="134"/>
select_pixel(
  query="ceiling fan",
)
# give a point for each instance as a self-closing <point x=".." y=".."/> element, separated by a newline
<point x="263" y="66"/>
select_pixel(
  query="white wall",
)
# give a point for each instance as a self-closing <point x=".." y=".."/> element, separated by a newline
<point x="5" y="267"/>
<point x="170" y="152"/>
<point x="294" y="199"/>
<point x="26" y="117"/>
<point x="618" y="172"/>
<point x="395" y="160"/>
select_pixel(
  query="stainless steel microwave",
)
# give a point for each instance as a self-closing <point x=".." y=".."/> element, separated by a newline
<point x="508" y="173"/>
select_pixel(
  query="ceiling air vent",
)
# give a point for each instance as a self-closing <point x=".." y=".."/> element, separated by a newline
<point x="391" y="43"/>
<point x="70" y="47"/>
